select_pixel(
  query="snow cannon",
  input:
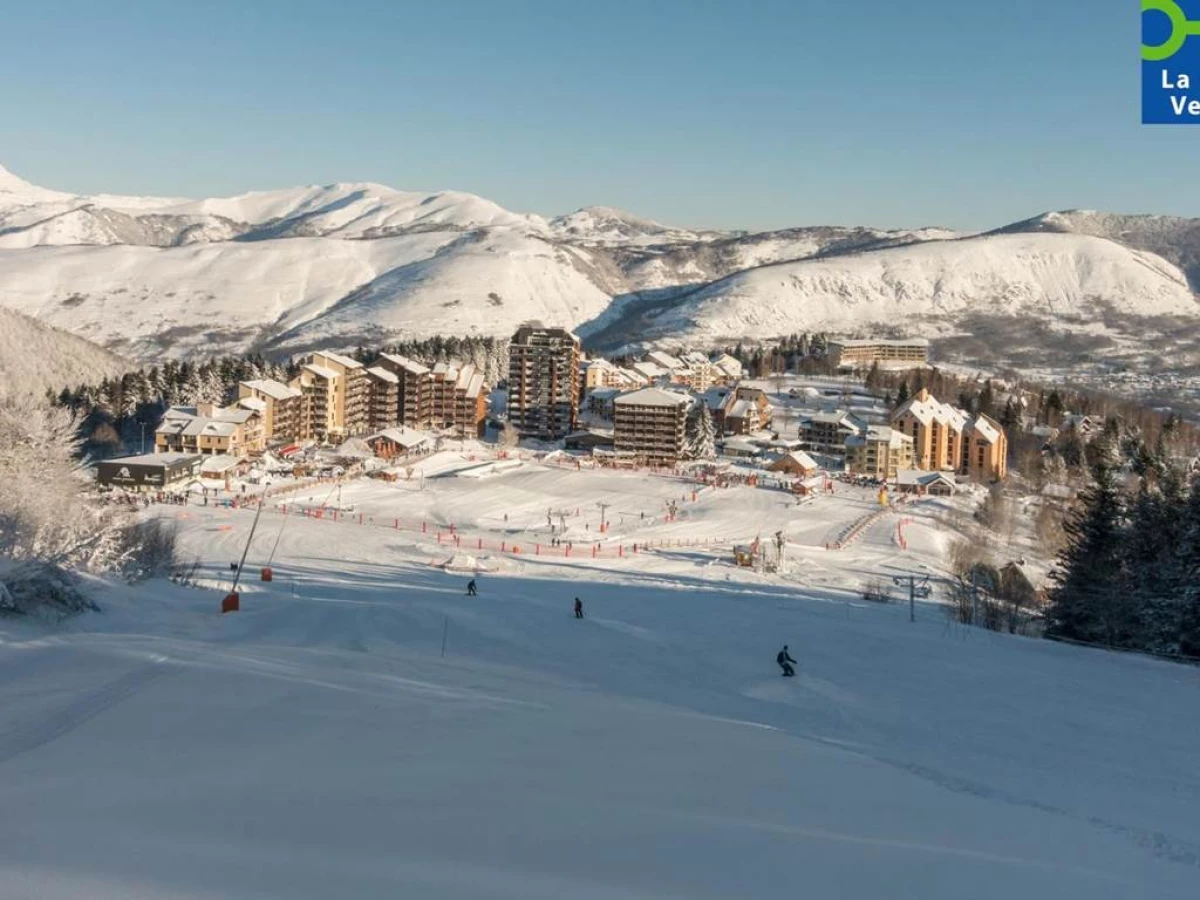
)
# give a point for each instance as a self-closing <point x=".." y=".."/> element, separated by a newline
<point x="231" y="603"/>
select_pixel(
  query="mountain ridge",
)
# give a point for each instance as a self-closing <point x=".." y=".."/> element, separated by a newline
<point x="351" y="262"/>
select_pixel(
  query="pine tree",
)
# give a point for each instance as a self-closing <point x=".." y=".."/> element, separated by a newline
<point x="1085" y="603"/>
<point x="902" y="394"/>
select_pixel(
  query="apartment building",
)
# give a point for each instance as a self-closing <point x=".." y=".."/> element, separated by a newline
<point x="936" y="429"/>
<point x="282" y="408"/>
<point x="857" y="354"/>
<point x="746" y="411"/>
<point x="351" y="392"/>
<point x="827" y="432"/>
<point x="383" y="398"/>
<point x="543" y="381"/>
<point x="205" y="430"/>
<point x="458" y="399"/>
<point x="415" y="402"/>
<point x="985" y="450"/>
<point x="600" y="373"/>
<point x="446" y="396"/>
<point x="318" y="410"/>
<point x="649" y="425"/>
<point x="950" y="439"/>
<point x="879" y="452"/>
<point x="729" y="369"/>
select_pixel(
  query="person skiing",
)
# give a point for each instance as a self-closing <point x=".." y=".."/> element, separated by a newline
<point x="471" y="591"/>
<point x="578" y="608"/>
<point x="785" y="661"/>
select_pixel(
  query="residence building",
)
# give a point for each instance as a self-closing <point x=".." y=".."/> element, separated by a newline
<point x="282" y="408"/>
<point x="879" y="452"/>
<point x="205" y="430"/>
<point x="827" y="431"/>
<point x="650" y="425"/>
<point x="543" y="381"/>
<point x="859" y="354"/>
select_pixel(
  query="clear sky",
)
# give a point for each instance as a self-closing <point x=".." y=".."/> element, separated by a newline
<point x="720" y="113"/>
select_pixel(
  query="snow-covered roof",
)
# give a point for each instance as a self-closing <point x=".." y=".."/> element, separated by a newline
<point x="403" y="362"/>
<point x="320" y="371"/>
<point x="253" y="403"/>
<point x="604" y="393"/>
<point x="833" y="417"/>
<point x="799" y="457"/>
<point x="402" y="435"/>
<point x="922" y="478"/>
<point x="880" y="434"/>
<point x="740" y="445"/>
<point x="740" y="409"/>
<point x="649" y="370"/>
<point x="666" y="360"/>
<point x="383" y="375"/>
<point x="986" y="429"/>
<point x="152" y="459"/>
<point x="927" y="410"/>
<point x="274" y="389"/>
<point x="715" y="397"/>
<point x="222" y="462"/>
<point x="344" y="361"/>
<point x="651" y="397"/>
<point x="882" y="342"/>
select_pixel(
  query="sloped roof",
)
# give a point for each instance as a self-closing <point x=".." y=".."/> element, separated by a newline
<point x="402" y="435"/>
<point x="344" y="361"/>
<point x="798" y="457"/>
<point x="403" y="362"/>
<point x="986" y="429"/>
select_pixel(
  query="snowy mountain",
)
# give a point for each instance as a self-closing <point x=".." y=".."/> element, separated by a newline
<point x="357" y="263"/>
<point x="35" y="358"/>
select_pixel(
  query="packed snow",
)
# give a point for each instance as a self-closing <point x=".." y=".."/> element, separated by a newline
<point x="362" y="728"/>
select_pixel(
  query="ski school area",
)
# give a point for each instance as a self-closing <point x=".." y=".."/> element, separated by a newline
<point x="454" y="510"/>
<point x="361" y="727"/>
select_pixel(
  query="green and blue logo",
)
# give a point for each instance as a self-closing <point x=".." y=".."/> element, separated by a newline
<point x="1170" y="62"/>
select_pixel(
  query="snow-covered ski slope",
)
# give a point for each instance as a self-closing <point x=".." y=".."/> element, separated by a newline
<point x="317" y="744"/>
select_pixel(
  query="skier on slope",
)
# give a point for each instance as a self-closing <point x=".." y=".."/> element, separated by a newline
<point x="578" y="608"/>
<point x="785" y="661"/>
<point x="471" y="591"/>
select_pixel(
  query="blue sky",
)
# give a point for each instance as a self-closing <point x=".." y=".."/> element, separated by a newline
<point x="722" y="114"/>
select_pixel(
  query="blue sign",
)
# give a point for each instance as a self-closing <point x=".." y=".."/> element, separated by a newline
<point x="1171" y="62"/>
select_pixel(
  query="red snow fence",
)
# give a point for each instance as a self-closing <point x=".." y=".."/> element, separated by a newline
<point x="231" y="603"/>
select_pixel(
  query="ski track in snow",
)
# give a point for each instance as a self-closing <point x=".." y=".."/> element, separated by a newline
<point x="318" y="743"/>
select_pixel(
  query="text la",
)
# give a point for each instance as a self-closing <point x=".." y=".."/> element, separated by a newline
<point x="1181" y="82"/>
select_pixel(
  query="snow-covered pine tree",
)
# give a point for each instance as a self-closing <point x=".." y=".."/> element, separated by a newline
<point x="1149" y="564"/>
<point x="1086" y="602"/>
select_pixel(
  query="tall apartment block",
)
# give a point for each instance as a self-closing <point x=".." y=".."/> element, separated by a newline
<point x="543" y="381"/>
<point x="445" y="396"/>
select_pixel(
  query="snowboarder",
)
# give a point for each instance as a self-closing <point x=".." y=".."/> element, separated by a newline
<point x="471" y="591"/>
<point x="785" y="661"/>
<point x="578" y="608"/>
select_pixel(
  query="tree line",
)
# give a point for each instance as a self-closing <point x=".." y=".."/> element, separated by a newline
<point x="1129" y="576"/>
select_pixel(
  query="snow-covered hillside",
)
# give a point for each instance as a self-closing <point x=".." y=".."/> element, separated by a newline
<point x="35" y="358"/>
<point x="1056" y="277"/>
<point x="353" y="263"/>
<point x="321" y="743"/>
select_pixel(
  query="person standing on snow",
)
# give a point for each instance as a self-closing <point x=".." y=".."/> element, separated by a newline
<point x="785" y="661"/>
<point x="471" y="592"/>
<point x="578" y="608"/>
